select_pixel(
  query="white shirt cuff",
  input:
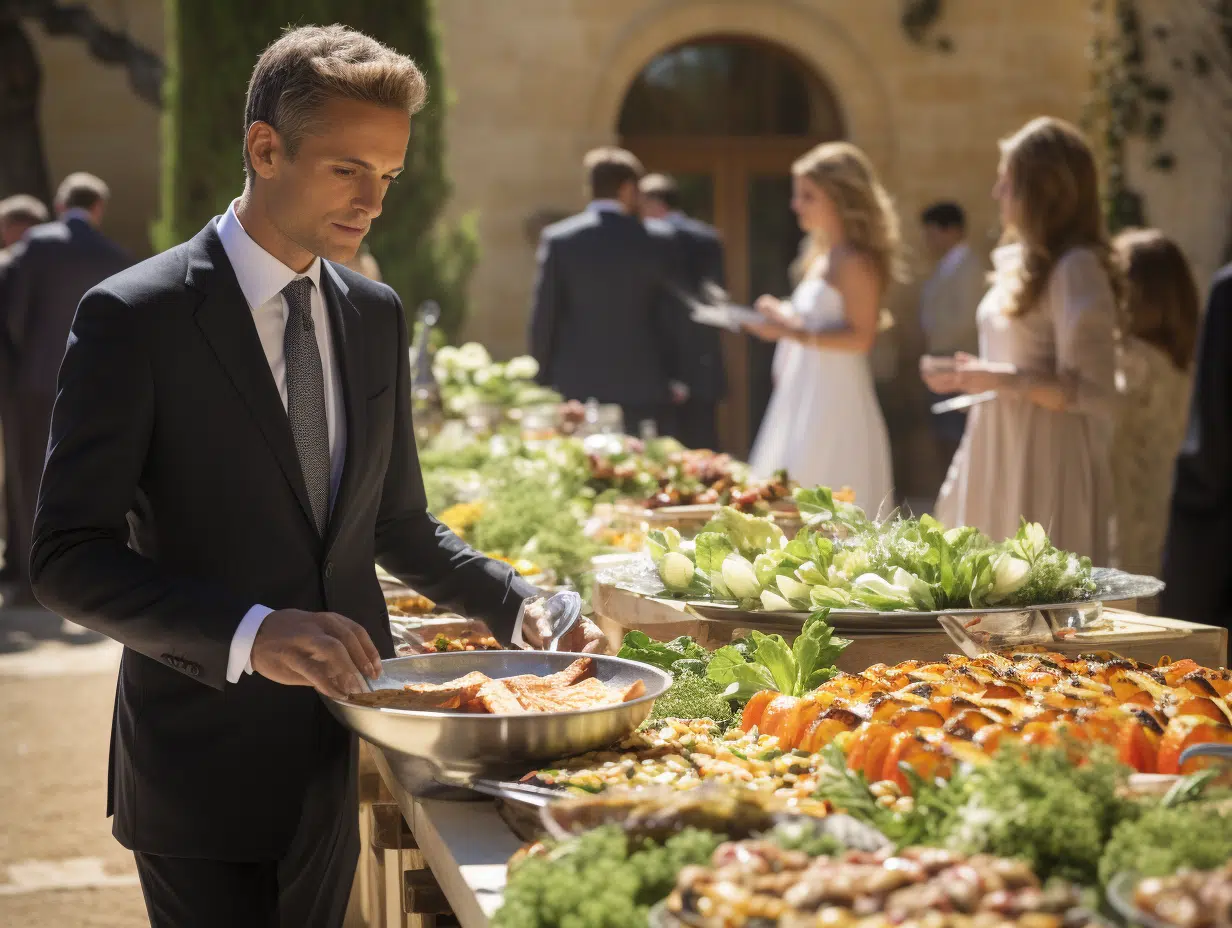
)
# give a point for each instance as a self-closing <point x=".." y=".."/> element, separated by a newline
<point x="239" y="660"/>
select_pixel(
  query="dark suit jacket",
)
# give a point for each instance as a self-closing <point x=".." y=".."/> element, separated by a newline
<point x="1195" y="560"/>
<point x="605" y="320"/>
<point x="173" y="501"/>
<point x="48" y="273"/>
<point x="703" y="355"/>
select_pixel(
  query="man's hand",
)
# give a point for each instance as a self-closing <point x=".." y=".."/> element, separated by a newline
<point x="585" y="636"/>
<point x="319" y="649"/>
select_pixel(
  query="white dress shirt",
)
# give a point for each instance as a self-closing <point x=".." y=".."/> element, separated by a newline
<point x="262" y="277"/>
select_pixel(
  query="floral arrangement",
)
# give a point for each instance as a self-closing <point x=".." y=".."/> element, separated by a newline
<point x="468" y="377"/>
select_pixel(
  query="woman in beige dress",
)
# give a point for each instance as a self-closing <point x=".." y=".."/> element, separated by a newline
<point x="1040" y="449"/>
<point x="1161" y="325"/>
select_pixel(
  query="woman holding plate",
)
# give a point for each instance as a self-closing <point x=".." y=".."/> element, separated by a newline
<point x="1039" y="447"/>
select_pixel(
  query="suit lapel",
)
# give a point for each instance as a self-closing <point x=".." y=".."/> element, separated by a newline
<point x="348" y="354"/>
<point x="226" y="322"/>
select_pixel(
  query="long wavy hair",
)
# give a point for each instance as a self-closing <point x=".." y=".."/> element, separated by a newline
<point x="1055" y="183"/>
<point x="870" y="222"/>
<point x="1161" y="296"/>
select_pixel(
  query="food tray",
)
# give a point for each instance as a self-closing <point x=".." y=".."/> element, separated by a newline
<point x="641" y="578"/>
<point x="1121" y="897"/>
<point x="417" y="634"/>
<point x="439" y="753"/>
<point x="694" y="517"/>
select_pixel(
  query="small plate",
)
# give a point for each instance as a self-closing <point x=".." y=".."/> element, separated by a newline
<point x="1121" y="898"/>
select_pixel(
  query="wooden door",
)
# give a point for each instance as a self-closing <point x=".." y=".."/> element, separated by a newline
<point x="742" y="186"/>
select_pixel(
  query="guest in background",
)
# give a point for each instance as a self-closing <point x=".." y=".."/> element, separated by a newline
<point x="1157" y="348"/>
<point x="948" y="301"/>
<point x="18" y="214"/>
<point x="1042" y="448"/>
<point x="51" y="269"/>
<point x="702" y="251"/>
<point x="606" y="315"/>
<point x="824" y="424"/>
<point x="1195" y="550"/>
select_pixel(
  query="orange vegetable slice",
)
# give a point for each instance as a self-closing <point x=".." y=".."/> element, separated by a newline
<point x="777" y="712"/>
<point x="755" y="708"/>
<point x="1184" y="731"/>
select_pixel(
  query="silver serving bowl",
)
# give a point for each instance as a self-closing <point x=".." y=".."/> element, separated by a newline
<point x="438" y="753"/>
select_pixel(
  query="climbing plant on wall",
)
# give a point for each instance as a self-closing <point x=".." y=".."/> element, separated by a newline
<point x="1192" y="45"/>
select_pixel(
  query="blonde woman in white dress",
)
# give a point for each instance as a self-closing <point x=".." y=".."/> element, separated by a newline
<point x="823" y="423"/>
<point x="1041" y="450"/>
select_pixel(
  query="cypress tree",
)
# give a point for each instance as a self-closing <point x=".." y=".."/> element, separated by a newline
<point x="211" y="48"/>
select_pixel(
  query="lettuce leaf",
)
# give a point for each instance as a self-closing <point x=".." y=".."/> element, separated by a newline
<point x="751" y="535"/>
<point x="742" y="678"/>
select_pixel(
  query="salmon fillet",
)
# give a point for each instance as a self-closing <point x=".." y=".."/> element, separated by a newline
<point x="467" y="687"/>
<point x="579" y="670"/>
<point x="588" y="694"/>
<point x="498" y="699"/>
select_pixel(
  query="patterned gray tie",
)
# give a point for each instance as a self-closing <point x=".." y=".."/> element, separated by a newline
<point x="306" y="397"/>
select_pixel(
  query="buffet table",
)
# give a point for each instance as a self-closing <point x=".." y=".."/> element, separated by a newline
<point x="466" y="845"/>
<point x="1130" y="634"/>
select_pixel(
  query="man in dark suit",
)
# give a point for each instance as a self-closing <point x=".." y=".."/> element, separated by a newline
<point x="703" y="352"/>
<point x="52" y="267"/>
<point x="1195" y="565"/>
<point x="18" y="215"/>
<point x="605" y="320"/>
<point x="231" y="451"/>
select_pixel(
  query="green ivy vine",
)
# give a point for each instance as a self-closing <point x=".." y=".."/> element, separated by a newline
<point x="1128" y="102"/>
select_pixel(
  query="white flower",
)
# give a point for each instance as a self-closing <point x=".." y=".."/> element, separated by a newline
<point x="676" y="570"/>
<point x="1032" y="541"/>
<point x="446" y="356"/>
<point x="522" y="368"/>
<point x="473" y="357"/>
<point x="483" y="376"/>
<point x="1009" y="573"/>
<point x="792" y="589"/>
<point x="773" y="602"/>
<point x="740" y="577"/>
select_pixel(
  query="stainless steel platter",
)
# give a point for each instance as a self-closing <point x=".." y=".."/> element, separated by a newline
<point x="440" y="753"/>
<point x="1112" y="586"/>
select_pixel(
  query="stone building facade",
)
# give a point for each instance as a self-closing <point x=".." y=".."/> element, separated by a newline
<point x="535" y="83"/>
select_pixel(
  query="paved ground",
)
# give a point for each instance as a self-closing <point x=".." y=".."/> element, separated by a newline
<point x="59" y="866"/>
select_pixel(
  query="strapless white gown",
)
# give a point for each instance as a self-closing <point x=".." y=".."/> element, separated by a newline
<point x="824" y="424"/>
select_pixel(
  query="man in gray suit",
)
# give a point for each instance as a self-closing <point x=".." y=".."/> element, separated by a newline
<point x="948" y="302"/>
<point x="49" y="272"/>
<point x="607" y="318"/>
<point x="703" y="356"/>
<point x="18" y="215"/>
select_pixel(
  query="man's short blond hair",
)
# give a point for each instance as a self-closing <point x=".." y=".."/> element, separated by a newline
<point x="23" y="208"/>
<point x="608" y="169"/>
<point x="81" y="190"/>
<point x="312" y="64"/>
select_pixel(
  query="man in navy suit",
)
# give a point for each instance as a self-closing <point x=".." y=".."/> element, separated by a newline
<point x="231" y="451"/>
<point x="702" y="353"/>
<point x="48" y="273"/>
<point x="606" y="313"/>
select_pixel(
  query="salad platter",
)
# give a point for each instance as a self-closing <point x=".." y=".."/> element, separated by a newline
<point x="637" y="575"/>
<point x="898" y="575"/>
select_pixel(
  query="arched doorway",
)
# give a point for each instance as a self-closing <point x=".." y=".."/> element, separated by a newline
<point x="726" y="116"/>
